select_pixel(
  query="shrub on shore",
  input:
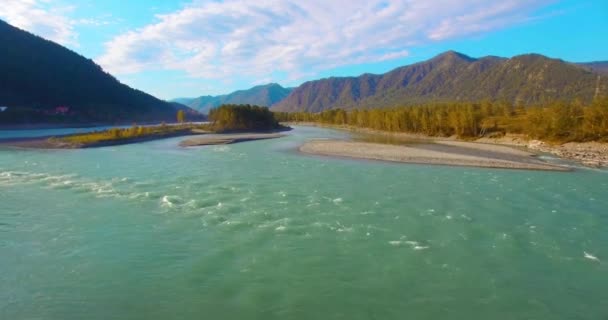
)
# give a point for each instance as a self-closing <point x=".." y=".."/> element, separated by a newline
<point x="134" y="132"/>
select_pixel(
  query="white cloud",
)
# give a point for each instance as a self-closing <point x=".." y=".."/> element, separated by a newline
<point x="487" y="18"/>
<point x="242" y="38"/>
<point x="39" y="18"/>
<point x="92" y="22"/>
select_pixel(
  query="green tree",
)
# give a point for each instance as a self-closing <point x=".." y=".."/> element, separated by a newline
<point x="556" y="121"/>
<point x="181" y="116"/>
<point x="244" y="117"/>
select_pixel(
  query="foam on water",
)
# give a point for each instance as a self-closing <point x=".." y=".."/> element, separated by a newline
<point x="420" y="247"/>
<point x="221" y="148"/>
<point x="75" y="183"/>
<point x="166" y="202"/>
<point x="590" y="256"/>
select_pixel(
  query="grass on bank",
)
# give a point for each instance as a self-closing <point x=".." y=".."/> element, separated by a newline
<point x="134" y="132"/>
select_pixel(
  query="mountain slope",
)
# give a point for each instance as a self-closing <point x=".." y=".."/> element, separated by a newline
<point x="264" y="95"/>
<point x="451" y="76"/>
<point x="184" y="101"/>
<point x="37" y="76"/>
<point x="596" y="66"/>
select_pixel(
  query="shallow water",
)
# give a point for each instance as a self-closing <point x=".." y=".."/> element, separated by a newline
<point x="256" y="230"/>
<point x="18" y="133"/>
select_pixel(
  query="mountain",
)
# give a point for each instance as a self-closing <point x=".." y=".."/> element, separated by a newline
<point x="184" y="101"/>
<point x="452" y="76"/>
<point x="41" y="81"/>
<point x="596" y="66"/>
<point x="263" y="95"/>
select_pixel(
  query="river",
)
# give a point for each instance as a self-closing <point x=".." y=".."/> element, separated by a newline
<point x="258" y="231"/>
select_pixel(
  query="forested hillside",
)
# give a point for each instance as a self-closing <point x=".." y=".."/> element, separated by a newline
<point x="452" y="77"/>
<point x="41" y="81"/>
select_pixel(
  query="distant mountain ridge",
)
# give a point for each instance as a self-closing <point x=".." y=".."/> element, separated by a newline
<point x="596" y="66"/>
<point x="262" y="95"/>
<point x="453" y="76"/>
<point x="42" y="81"/>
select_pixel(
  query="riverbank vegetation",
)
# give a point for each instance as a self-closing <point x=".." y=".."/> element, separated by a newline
<point x="132" y="133"/>
<point x="226" y="118"/>
<point x="556" y="122"/>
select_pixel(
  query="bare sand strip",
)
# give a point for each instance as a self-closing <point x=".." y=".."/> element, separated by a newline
<point x="214" y="139"/>
<point x="445" y="153"/>
<point x="590" y="154"/>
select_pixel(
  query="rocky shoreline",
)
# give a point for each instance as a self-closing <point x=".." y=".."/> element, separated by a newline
<point x="590" y="154"/>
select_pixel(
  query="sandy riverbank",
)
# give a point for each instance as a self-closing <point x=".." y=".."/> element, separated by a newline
<point x="214" y="139"/>
<point x="592" y="154"/>
<point x="456" y="153"/>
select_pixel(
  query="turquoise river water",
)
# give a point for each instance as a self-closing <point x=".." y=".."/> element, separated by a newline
<point x="258" y="231"/>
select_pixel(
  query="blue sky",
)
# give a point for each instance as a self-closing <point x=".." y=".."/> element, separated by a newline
<point x="191" y="48"/>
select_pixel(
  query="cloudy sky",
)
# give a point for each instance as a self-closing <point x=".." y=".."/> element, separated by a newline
<point x="192" y="48"/>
